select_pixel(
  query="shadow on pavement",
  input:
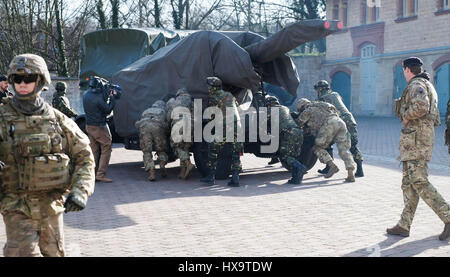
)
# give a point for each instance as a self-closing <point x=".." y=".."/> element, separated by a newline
<point x="131" y="186"/>
<point x="408" y="249"/>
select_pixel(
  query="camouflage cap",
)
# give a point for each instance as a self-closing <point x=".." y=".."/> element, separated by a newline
<point x="272" y="100"/>
<point x="301" y="103"/>
<point x="29" y="64"/>
<point x="61" y="86"/>
<point x="182" y="91"/>
<point x="322" y="84"/>
<point x="159" y="104"/>
<point x="214" y="82"/>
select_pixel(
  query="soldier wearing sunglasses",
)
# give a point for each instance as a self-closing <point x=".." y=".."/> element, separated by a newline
<point x="48" y="164"/>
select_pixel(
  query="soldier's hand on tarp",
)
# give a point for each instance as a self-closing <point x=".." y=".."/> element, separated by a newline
<point x="75" y="202"/>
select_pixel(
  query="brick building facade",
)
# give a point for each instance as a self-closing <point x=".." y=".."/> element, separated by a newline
<point x="363" y="60"/>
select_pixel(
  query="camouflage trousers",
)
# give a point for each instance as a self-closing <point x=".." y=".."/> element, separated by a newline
<point x="150" y="142"/>
<point x="415" y="185"/>
<point x="291" y="142"/>
<point x="215" y="148"/>
<point x="181" y="149"/>
<point x="28" y="237"/>
<point x="357" y="155"/>
<point x="334" y="130"/>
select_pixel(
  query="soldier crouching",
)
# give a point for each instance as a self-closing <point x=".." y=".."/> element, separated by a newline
<point x="181" y="148"/>
<point x="47" y="157"/>
<point x="322" y="119"/>
<point x="153" y="132"/>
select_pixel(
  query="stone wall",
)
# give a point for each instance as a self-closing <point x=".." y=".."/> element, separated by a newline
<point x="310" y="72"/>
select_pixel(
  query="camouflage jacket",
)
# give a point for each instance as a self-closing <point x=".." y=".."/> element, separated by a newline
<point x="70" y="140"/>
<point x="418" y="105"/>
<point x="336" y="100"/>
<point x="180" y="101"/>
<point x="61" y="103"/>
<point x="226" y="102"/>
<point x="315" y="115"/>
<point x="154" y="115"/>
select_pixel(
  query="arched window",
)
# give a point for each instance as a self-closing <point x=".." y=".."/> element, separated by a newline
<point x="368" y="51"/>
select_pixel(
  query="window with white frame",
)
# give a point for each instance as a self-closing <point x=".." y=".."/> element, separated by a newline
<point x="409" y="7"/>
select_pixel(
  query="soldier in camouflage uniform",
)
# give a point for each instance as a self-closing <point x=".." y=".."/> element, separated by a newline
<point x="61" y="102"/>
<point x="223" y="100"/>
<point x="447" y="131"/>
<point x="4" y="92"/>
<point x="322" y="120"/>
<point x="291" y="140"/>
<point x="417" y="110"/>
<point x="153" y="136"/>
<point x="49" y="164"/>
<point x="182" y="100"/>
<point x="325" y="94"/>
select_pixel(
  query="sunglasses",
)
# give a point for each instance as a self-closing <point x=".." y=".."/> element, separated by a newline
<point x="25" y="78"/>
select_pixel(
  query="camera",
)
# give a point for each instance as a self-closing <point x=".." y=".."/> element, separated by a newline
<point x="104" y="86"/>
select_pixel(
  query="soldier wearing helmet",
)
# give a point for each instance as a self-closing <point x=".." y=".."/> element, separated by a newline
<point x="61" y="102"/>
<point x="226" y="102"/>
<point x="182" y="105"/>
<point x="325" y="94"/>
<point x="322" y="120"/>
<point x="153" y="136"/>
<point x="49" y="164"/>
<point x="4" y="92"/>
<point x="291" y="140"/>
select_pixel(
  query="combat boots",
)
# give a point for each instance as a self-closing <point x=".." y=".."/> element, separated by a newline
<point x="234" y="179"/>
<point x="325" y="170"/>
<point x="350" y="177"/>
<point x="298" y="170"/>
<point x="188" y="166"/>
<point x="333" y="169"/>
<point x="182" y="170"/>
<point x="162" y="168"/>
<point x="398" y="231"/>
<point x="359" y="169"/>
<point x="327" y="167"/>
<point x="151" y="176"/>
<point x="210" y="180"/>
<point x="446" y="233"/>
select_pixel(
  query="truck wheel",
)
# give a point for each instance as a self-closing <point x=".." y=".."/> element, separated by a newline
<point x="307" y="157"/>
<point x="223" y="165"/>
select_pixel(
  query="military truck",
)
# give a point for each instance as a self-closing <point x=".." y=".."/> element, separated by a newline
<point x="244" y="61"/>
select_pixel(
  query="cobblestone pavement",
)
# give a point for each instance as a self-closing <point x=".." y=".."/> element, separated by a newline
<point x="265" y="217"/>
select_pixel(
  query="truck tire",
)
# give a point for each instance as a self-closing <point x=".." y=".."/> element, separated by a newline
<point x="223" y="170"/>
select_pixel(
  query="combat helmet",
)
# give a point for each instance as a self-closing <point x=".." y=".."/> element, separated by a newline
<point x="61" y="86"/>
<point x="272" y="101"/>
<point x="159" y="104"/>
<point x="27" y="64"/>
<point x="182" y="91"/>
<point x="301" y="104"/>
<point x="214" y="82"/>
<point x="322" y="84"/>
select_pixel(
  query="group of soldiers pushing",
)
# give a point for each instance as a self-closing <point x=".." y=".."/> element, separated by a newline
<point x="327" y="119"/>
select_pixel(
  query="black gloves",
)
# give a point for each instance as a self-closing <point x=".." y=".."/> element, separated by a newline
<point x="75" y="202"/>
